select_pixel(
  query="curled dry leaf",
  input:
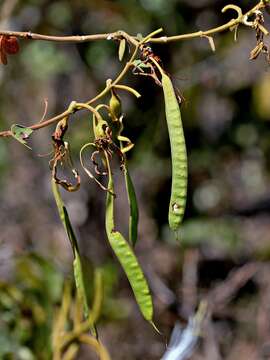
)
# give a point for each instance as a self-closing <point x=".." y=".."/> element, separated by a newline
<point x="261" y="31"/>
<point x="256" y="51"/>
<point x="211" y="43"/>
<point x="62" y="154"/>
<point x="260" y="48"/>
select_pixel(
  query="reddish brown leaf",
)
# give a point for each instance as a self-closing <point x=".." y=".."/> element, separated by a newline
<point x="8" y="45"/>
<point x="11" y="44"/>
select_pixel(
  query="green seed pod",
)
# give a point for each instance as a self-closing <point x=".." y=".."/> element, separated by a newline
<point x="128" y="259"/>
<point x="178" y="154"/>
<point x="115" y="106"/>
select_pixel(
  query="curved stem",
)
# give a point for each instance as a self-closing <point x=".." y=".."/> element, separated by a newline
<point x="218" y="29"/>
<point x="88" y="107"/>
<point x="96" y="345"/>
<point x="42" y="124"/>
<point x="118" y="78"/>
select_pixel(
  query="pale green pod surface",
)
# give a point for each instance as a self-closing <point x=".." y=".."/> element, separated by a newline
<point x="178" y="154"/>
<point x="128" y="260"/>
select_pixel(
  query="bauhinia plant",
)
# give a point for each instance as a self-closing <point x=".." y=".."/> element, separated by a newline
<point x="108" y="141"/>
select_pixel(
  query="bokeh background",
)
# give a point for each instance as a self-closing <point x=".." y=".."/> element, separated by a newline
<point x="223" y="250"/>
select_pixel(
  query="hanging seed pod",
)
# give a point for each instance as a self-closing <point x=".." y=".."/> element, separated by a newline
<point x="178" y="152"/>
<point x="128" y="259"/>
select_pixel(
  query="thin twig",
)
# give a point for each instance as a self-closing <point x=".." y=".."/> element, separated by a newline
<point x="189" y="282"/>
<point x="72" y="38"/>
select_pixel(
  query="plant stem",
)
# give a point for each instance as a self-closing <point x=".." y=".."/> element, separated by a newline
<point x="118" y="35"/>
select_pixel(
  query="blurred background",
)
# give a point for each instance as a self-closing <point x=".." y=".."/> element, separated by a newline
<point x="223" y="250"/>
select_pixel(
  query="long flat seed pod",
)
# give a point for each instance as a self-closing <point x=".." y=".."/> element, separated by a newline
<point x="128" y="260"/>
<point x="77" y="265"/>
<point x="178" y="154"/>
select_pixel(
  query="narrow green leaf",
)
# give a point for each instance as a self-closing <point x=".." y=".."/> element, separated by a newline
<point x="140" y="64"/>
<point x="21" y="133"/>
<point x="64" y="216"/>
<point x="133" y="208"/>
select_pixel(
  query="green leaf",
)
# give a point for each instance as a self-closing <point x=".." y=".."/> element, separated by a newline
<point x="21" y="133"/>
<point x="133" y="208"/>
<point x="140" y="64"/>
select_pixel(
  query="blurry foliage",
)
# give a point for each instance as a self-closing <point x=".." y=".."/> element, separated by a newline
<point x="28" y="306"/>
<point x="46" y="59"/>
<point x="26" y="309"/>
